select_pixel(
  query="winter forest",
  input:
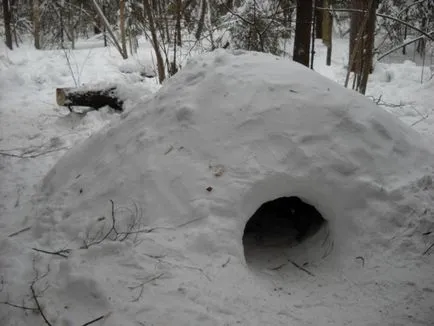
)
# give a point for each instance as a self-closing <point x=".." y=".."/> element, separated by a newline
<point x="216" y="162"/>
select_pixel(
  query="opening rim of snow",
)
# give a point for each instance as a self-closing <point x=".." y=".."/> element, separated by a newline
<point x="279" y="185"/>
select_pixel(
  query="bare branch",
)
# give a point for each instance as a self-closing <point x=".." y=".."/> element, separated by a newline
<point x="19" y="232"/>
<point x="34" y="155"/>
<point x="429" y="248"/>
<point x="300" y="267"/>
<point x="401" y="46"/>
<point x="141" y="285"/>
<point x="428" y="35"/>
<point x="37" y="303"/>
<point x="62" y="253"/>
<point x="409" y="6"/>
<point x="18" y="306"/>
<point x="94" y="320"/>
<point x="109" y="29"/>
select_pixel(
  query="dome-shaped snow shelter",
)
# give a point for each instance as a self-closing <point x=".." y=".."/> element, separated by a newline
<point x="227" y="134"/>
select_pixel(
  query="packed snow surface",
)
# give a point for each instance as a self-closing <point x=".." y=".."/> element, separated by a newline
<point x="181" y="174"/>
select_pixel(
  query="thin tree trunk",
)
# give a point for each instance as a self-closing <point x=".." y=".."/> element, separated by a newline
<point x="404" y="49"/>
<point x="356" y="34"/>
<point x="201" y="21"/>
<point x="319" y="16"/>
<point x="155" y="43"/>
<point x="7" y="16"/>
<point x="178" y="39"/>
<point x="368" y="49"/>
<point x="302" y="32"/>
<point x="110" y="31"/>
<point x="209" y="23"/>
<point x="104" y="27"/>
<point x="312" y="34"/>
<point x="327" y="29"/>
<point x="36" y="24"/>
<point x="122" y="27"/>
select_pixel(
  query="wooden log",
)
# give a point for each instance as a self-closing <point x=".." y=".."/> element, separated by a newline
<point x="93" y="97"/>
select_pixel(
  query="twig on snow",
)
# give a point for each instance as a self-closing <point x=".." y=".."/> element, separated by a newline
<point x="93" y="320"/>
<point x="142" y="286"/>
<point x="227" y="262"/>
<point x="18" y="306"/>
<point x="189" y="222"/>
<point x="278" y="267"/>
<point x="301" y="267"/>
<point x="379" y="101"/>
<point x="428" y="249"/>
<point x="420" y="120"/>
<point x="34" y="155"/>
<point x="35" y="298"/>
<point x="62" y="253"/>
<point x="19" y="232"/>
<point x="114" y="233"/>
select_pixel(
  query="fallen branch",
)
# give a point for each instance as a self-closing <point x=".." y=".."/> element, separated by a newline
<point x="429" y="248"/>
<point x="420" y="120"/>
<point x="18" y="306"/>
<point x="35" y="298"/>
<point x="300" y="267"/>
<point x="62" y="253"/>
<point x="141" y="286"/>
<point x="278" y="267"/>
<point x="113" y="231"/>
<point x="227" y="262"/>
<point x="379" y="101"/>
<point x="19" y="232"/>
<point x="94" y="320"/>
<point x="34" y="155"/>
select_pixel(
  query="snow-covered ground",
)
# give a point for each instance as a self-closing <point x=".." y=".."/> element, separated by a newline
<point x="31" y="122"/>
<point x="182" y="173"/>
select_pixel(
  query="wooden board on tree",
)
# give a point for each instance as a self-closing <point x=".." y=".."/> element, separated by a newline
<point x="94" y="97"/>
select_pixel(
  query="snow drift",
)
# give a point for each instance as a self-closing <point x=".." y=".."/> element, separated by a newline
<point x="228" y="133"/>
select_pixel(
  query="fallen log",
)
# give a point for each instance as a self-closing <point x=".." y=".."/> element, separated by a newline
<point x="93" y="97"/>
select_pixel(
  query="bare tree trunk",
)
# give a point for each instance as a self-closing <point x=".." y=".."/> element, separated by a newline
<point x="362" y="44"/>
<point x="7" y="16"/>
<point x="110" y="31"/>
<point x="362" y="33"/>
<point x="12" y="7"/>
<point x="36" y="24"/>
<point x="122" y="27"/>
<point x="155" y="43"/>
<point x="327" y="30"/>
<point x="356" y="33"/>
<point x="319" y="16"/>
<point x="302" y="32"/>
<point x="178" y="39"/>
<point x="312" y="35"/>
<point x="209" y="23"/>
<point x="404" y="49"/>
<point x="368" y="63"/>
<point x="201" y="22"/>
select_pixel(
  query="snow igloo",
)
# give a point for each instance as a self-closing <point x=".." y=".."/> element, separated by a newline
<point x="244" y="162"/>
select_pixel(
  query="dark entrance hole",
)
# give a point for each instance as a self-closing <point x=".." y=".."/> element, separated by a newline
<point x="280" y="224"/>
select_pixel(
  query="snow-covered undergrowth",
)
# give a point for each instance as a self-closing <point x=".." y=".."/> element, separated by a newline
<point x="34" y="127"/>
<point x="143" y="222"/>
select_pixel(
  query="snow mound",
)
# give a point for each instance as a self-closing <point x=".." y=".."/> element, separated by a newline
<point x="192" y="165"/>
<point x="272" y="128"/>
